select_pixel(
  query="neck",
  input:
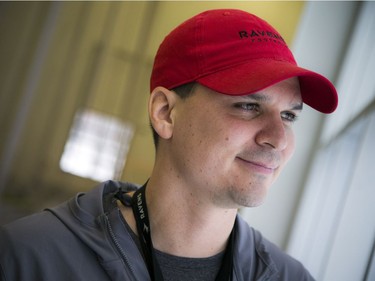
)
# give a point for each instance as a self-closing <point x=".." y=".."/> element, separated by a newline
<point x="184" y="223"/>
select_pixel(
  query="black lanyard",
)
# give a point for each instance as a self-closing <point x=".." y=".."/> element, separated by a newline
<point x="143" y="226"/>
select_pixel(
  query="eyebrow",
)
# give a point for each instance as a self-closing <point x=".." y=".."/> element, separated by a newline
<point x="263" y="98"/>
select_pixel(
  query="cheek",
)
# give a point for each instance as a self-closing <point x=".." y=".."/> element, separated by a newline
<point x="286" y="155"/>
<point x="206" y="142"/>
<point x="289" y="151"/>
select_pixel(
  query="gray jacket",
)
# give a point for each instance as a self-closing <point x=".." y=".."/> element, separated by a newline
<point x="84" y="239"/>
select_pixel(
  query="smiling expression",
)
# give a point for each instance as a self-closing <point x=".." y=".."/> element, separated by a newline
<point x="230" y="149"/>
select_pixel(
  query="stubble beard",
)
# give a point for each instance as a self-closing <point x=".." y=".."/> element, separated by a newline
<point x="252" y="196"/>
<point x="237" y="197"/>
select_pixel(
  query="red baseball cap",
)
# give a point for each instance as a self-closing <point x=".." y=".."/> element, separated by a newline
<point x="235" y="53"/>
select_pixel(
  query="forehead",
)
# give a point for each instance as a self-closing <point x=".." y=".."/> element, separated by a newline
<point x="286" y="92"/>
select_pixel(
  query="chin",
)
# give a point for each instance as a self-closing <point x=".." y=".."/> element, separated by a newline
<point x="254" y="204"/>
<point x="251" y="202"/>
<point x="250" y="198"/>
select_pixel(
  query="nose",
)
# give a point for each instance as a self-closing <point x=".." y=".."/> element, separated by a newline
<point x="272" y="133"/>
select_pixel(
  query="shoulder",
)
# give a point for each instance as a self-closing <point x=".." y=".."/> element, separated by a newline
<point x="265" y="258"/>
<point x="41" y="246"/>
<point x="31" y="228"/>
<point x="288" y="267"/>
<point x="29" y="243"/>
<point x="34" y="235"/>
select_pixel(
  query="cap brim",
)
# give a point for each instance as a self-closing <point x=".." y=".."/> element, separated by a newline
<point x="247" y="78"/>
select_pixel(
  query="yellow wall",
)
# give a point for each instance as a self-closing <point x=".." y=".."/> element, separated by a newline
<point x="97" y="55"/>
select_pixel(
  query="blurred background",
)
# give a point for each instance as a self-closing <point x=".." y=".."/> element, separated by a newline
<point x="74" y="84"/>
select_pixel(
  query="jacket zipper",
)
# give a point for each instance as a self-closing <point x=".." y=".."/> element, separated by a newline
<point x="124" y="258"/>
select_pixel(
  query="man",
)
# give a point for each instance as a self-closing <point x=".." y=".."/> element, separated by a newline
<point x="225" y="91"/>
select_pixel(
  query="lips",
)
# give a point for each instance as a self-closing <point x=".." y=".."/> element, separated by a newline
<point x="259" y="166"/>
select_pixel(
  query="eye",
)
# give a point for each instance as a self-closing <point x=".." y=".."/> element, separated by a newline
<point x="289" y="117"/>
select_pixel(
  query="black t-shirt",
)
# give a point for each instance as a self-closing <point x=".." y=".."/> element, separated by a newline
<point x="189" y="269"/>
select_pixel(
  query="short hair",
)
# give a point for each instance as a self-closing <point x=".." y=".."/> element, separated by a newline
<point x="183" y="91"/>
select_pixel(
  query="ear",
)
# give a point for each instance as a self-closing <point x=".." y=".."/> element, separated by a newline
<point x="160" y="109"/>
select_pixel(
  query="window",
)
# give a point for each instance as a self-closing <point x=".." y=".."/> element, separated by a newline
<point x="334" y="232"/>
<point x="97" y="146"/>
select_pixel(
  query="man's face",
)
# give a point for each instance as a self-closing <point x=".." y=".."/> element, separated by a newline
<point x="230" y="149"/>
